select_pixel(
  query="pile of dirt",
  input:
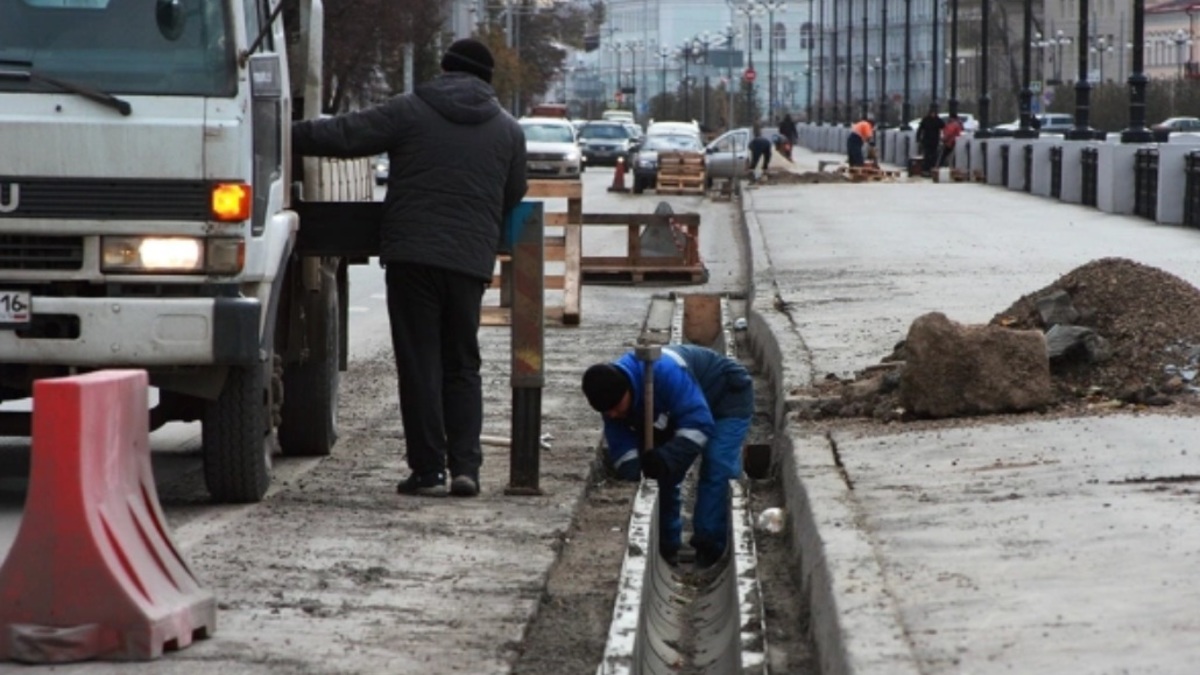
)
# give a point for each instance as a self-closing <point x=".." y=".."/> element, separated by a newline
<point x="1149" y="318"/>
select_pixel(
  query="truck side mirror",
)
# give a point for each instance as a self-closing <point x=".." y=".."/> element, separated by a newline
<point x="170" y="17"/>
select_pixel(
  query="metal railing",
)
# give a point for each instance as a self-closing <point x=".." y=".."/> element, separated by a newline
<point x="1145" y="183"/>
<point x="1089" y="163"/>
<point x="1004" y="165"/>
<point x="1056" y="153"/>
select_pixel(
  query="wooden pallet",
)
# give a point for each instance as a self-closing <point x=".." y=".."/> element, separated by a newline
<point x="680" y="173"/>
<point x="630" y="275"/>
<point x="565" y="248"/>
<point x="869" y="174"/>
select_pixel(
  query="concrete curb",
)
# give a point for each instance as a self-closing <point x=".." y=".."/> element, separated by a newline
<point x="856" y="626"/>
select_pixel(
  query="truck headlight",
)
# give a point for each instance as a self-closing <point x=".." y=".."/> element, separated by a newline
<point x="172" y="255"/>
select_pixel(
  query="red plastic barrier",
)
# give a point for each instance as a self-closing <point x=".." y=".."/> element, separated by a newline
<point x="93" y="572"/>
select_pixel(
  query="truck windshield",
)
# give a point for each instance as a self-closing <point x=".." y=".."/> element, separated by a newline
<point x="152" y="47"/>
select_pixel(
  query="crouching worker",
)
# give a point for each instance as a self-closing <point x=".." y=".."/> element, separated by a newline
<point x="703" y="403"/>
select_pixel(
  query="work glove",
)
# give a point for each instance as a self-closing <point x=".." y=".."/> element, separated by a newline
<point x="653" y="465"/>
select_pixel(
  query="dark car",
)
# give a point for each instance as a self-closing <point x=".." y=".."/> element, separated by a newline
<point x="605" y="142"/>
<point x="1175" y="125"/>
<point x="645" y="166"/>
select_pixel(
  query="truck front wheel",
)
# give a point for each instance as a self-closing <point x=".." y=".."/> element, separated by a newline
<point x="236" y="438"/>
<point x="310" y="388"/>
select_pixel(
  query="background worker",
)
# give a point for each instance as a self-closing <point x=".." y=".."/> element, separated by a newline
<point x="703" y="402"/>
<point x="760" y="149"/>
<point x="929" y="138"/>
<point x="441" y="228"/>
<point x="861" y="133"/>
<point x="950" y="134"/>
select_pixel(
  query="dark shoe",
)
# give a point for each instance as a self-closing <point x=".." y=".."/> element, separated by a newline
<point x="425" y="485"/>
<point x="464" y="486"/>
<point x="671" y="558"/>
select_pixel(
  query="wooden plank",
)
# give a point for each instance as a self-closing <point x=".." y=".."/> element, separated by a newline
<point x="572" y="257"/>
<point x="554" y="189"/>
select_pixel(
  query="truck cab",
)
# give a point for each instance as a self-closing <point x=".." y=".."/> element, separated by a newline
<point x="146" y="222"/>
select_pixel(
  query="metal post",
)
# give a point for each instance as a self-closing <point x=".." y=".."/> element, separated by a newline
<point x="1082" y="130"/>
<point x="1026" y="129"/>
<point x="881" y="122"/>
<point x="821" y="72"/>
<point x="865" y="59"/>
<point x="953" y="57"/>
<point x="984" y="99"/>
<point x="936" y="55"/>
<point x="850" y="62"/>
<point x="1137" y="131"/>
<point x="808" y="115"/>
<point x="906" y="109"/>
<point x="833" y="73"/>
<point x="528" y="347"/>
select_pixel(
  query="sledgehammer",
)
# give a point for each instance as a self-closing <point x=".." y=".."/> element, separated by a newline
<point x="648" y="354"/>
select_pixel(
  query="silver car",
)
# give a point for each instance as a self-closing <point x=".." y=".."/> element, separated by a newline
<point x="727" y="155"/>
<point x="551" y="149"/>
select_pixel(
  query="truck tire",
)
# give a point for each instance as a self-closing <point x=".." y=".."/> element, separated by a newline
<point x="310" y="388"/>
<point x="236" y="439"/>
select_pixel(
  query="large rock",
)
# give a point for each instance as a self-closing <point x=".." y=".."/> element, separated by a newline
<point x="954" y="370"/>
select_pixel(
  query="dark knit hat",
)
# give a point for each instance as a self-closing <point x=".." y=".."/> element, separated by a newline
<point x="469" y="56"/>
<point x="604" y="385"/>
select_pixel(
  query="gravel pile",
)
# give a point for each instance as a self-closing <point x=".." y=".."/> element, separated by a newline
<point x="1150" y="319"/>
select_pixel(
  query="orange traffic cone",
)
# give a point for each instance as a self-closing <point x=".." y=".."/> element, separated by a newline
<point x="618" y="184"/>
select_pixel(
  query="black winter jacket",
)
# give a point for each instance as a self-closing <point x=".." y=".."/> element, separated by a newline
<point x="457" y="169"/>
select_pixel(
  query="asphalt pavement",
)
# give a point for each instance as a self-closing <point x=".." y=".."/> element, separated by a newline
<point x="1013" y="545"/>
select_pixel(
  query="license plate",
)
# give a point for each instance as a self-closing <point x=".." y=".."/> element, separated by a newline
<point x="15" y="309"/>
<point x="541" y="167"/>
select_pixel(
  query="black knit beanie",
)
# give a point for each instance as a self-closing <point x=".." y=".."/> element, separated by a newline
<point x="469" y="56"/>
<point x="604" y="385"/>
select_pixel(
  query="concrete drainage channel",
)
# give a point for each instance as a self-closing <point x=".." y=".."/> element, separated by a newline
<point x="672" y="619"/>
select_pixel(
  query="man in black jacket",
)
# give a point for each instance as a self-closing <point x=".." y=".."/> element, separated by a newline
<point x="457" y="171"/>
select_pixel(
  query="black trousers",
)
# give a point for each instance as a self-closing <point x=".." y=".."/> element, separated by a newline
<point x="434" y="315"/>
<point x="854" y="150"/>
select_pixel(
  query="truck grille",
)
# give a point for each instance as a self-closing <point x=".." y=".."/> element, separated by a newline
<point x="104" y="198"/>
<point x="38" y="252"/>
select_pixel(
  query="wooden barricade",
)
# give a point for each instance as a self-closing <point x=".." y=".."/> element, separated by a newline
<point x="640" y="266"/>
<point x="565" y="250"/>
<point x="680" y="173"/>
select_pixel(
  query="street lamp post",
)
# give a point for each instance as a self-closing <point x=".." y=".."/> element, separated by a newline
<point x="866" y="61"/>
<point x="808" y="115"/>
<point x="771" y="6"/>
<point x="850" y="62"/>
<point x="1059" y="42"/>
<point x="750" y="10"/>
<point x="1026" y="129"/>
<point x="984" y="99"/>
<point x="1083" y="89"/>
<point x="1137" y="131"/>
<point x="833" y="64"/>
<point x="663" y="54"/>
<point x="701" y="44"/>
<point x="906" y="109"/>
<point x="953" y="103"/>
<point x="1101" y="49"/>
<point x="881" y="117"/>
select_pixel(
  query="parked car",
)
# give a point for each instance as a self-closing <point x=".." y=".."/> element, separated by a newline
<point x="1051" y="124"/>
<point x="970" y="123"/>
<point x="551" y="149"/>
<point x="381" y="166"/>
<point x="1188" y="126"/>
<point x="636" y="132"/>
<point x="726" y="156"/>
<point x="603" y="142"/>
<point x="617" y="116"/>
<point x="645" y="166"/>
<point x="657" y="128"/>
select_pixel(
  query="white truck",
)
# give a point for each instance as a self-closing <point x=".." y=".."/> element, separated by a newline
<point x="148" y="218"/>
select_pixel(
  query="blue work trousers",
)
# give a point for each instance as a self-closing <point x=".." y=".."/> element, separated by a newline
<point x="721" y="462"/>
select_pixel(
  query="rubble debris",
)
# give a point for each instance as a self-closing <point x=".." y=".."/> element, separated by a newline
<point x="1117" y="334"/>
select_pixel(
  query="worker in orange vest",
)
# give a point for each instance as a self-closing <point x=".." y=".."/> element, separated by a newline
<point x="860" y="134"/>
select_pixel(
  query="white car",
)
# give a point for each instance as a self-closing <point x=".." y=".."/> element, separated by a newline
<point x="674" y="129"/>
<point x="551" y="148"/>
<point x="970" y="124"/>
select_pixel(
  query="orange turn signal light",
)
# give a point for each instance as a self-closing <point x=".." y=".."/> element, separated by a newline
<point x="230" y="202"/>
